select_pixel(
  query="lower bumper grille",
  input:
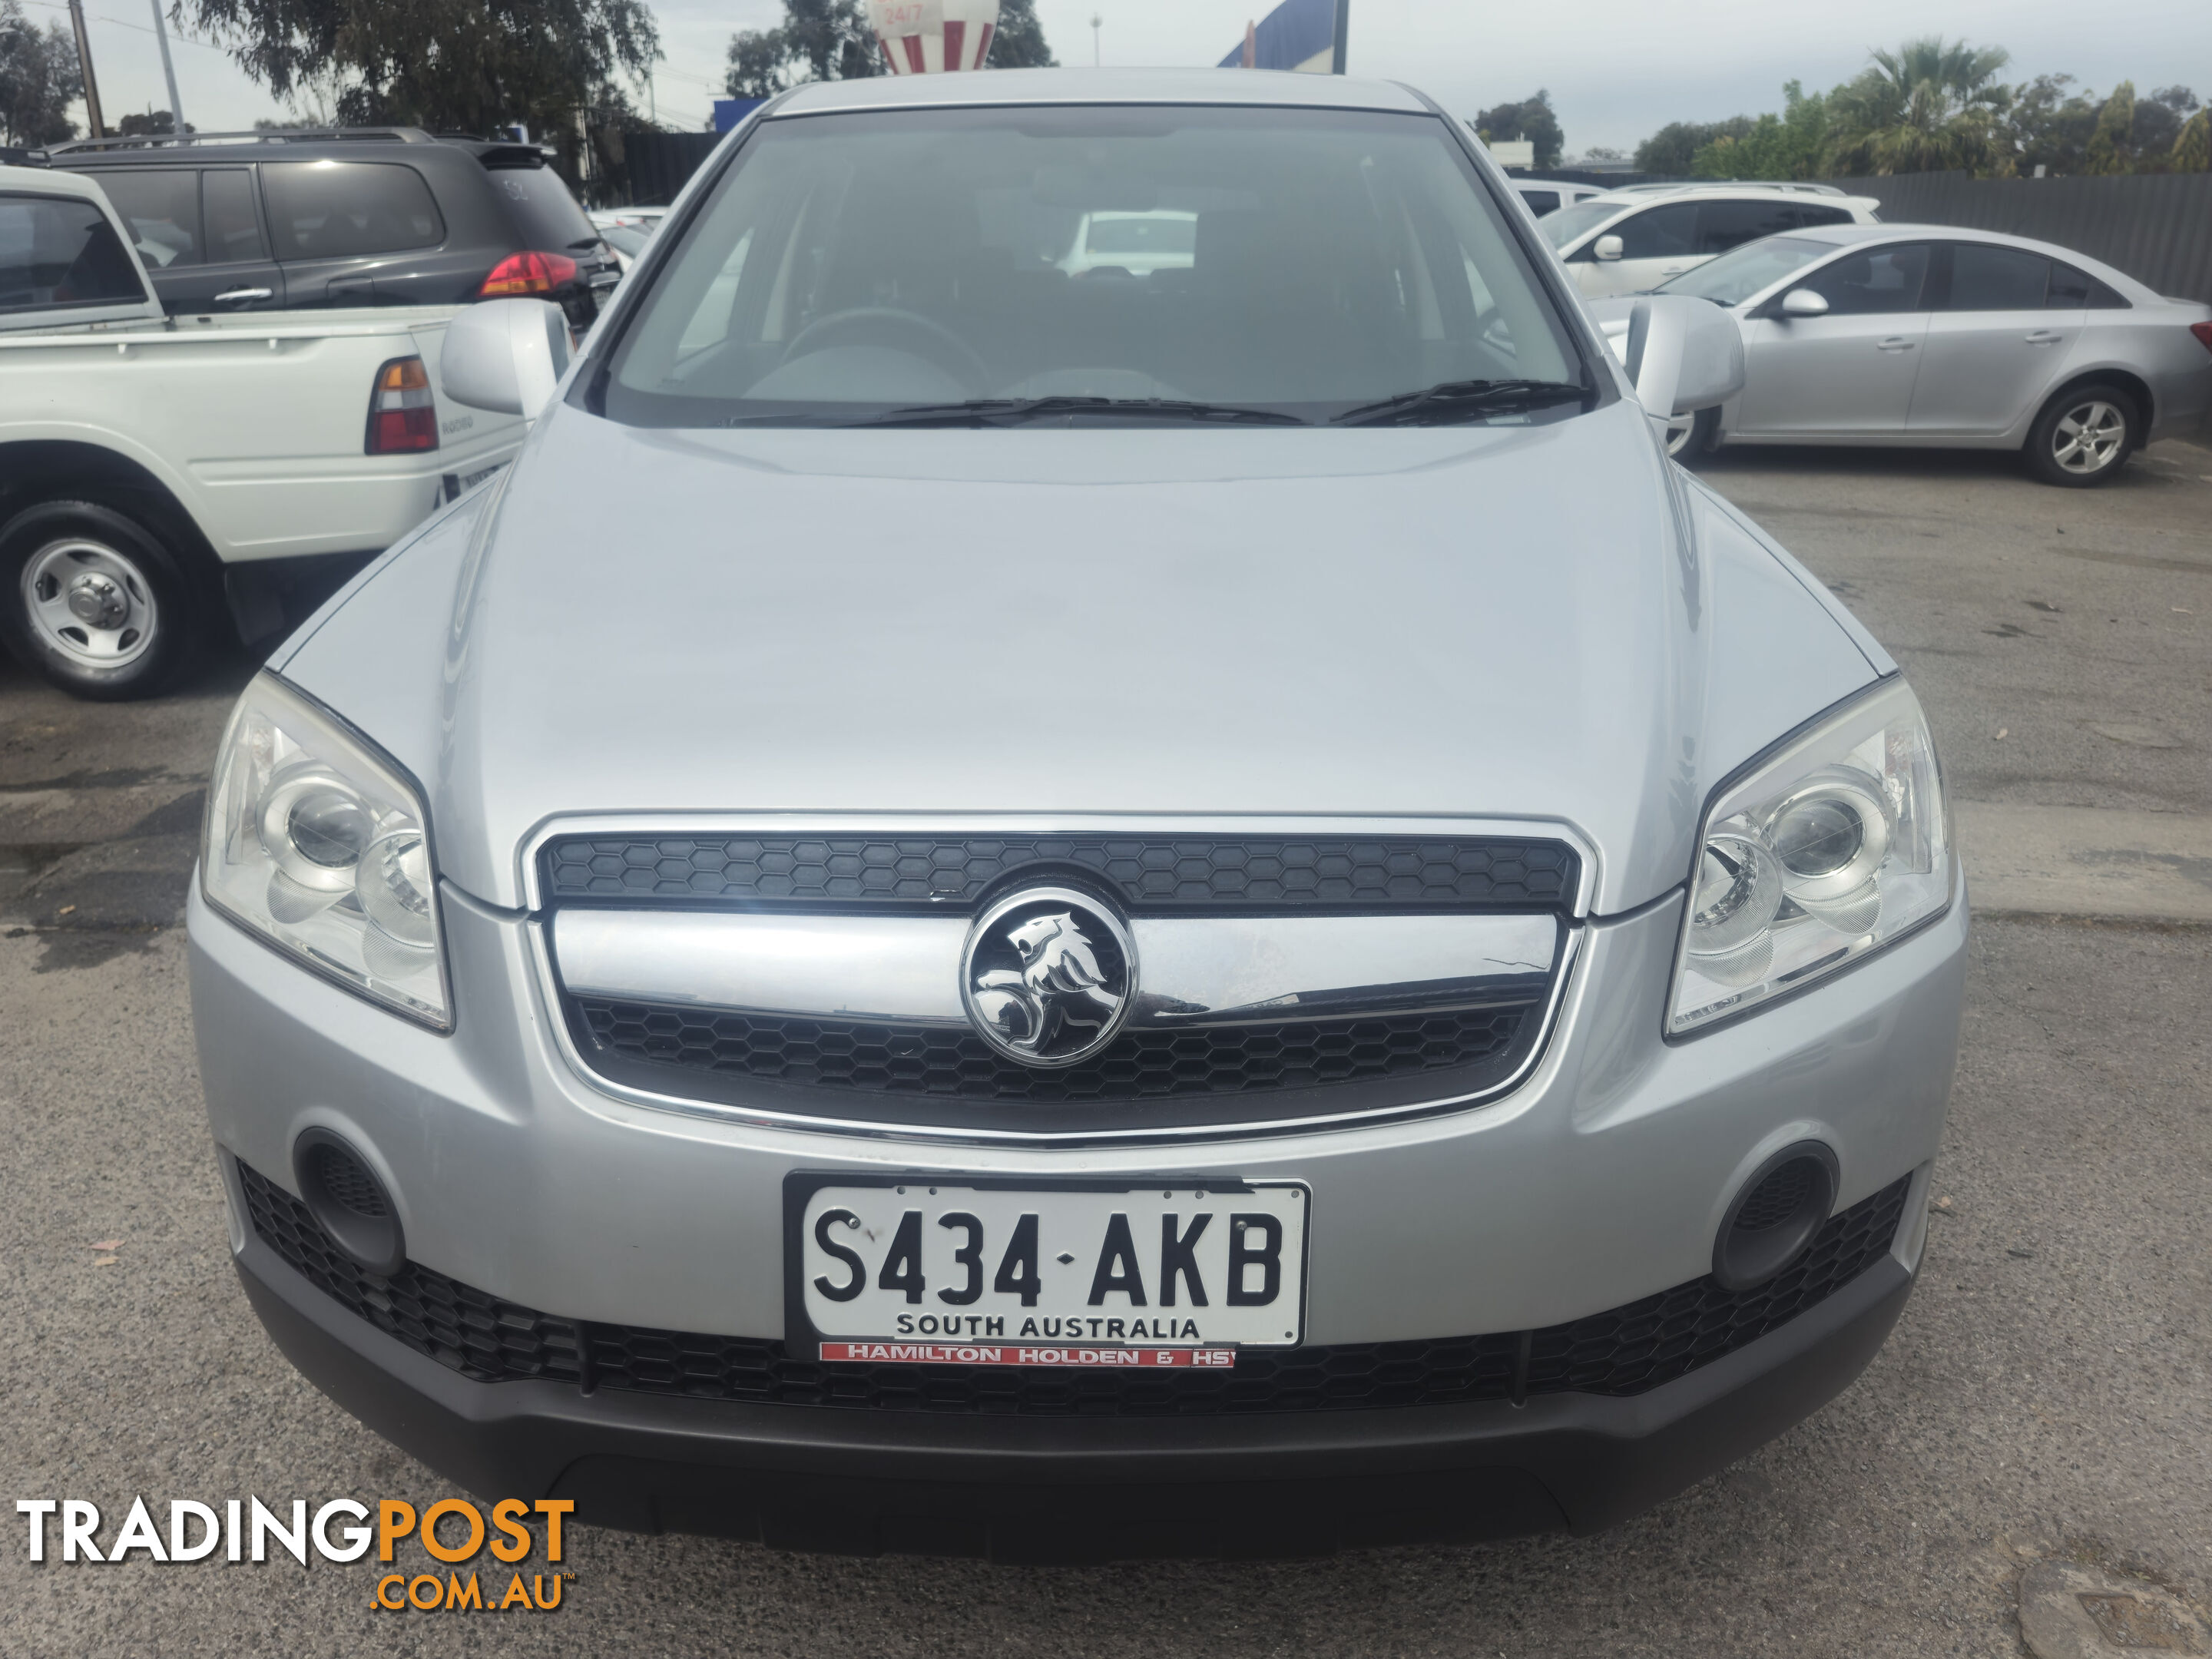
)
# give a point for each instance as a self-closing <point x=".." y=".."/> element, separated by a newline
<point x="1625" y="1351"/>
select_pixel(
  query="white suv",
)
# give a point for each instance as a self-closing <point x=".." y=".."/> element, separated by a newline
<point x="1625" y="241"/>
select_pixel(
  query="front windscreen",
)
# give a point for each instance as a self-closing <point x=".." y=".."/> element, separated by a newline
<point x="1295" y="261"/>
<point x="1737" y="275"/>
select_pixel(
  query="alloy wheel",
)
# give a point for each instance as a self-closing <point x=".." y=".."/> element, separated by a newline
<point x="2089" y="437"/>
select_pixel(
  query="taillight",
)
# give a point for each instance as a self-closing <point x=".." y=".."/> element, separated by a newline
<point x="403" y="418"/>
<point x="527" y="273"/>
<point x="2203" y="333"/>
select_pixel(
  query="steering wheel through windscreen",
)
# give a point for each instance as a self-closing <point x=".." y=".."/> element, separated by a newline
<point x="902" y="330"/>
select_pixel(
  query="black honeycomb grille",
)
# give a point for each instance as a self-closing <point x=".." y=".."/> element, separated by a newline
<point x="460" y="1327"/>
<point x="1290" y="873"/>
<point x="1638" y="1346"/>
<point x="954" y="1063"/>
<point x="1626" y="1351"/>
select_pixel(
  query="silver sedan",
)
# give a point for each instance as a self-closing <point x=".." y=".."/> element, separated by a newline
<point x="1933" y="337"/>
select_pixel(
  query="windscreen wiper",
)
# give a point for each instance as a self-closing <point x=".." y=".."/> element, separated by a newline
<point x="1461" y="400"/>
<point x="1014" y="411"/>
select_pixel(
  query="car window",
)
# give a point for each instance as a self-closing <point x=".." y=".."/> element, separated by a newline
<point x="57" y="250"/>
<point x="1659" y="232"/>
<point x="544" y="214"/>
<point x="234" y="231"/>
<point x="1736" y="275"/>
<point x="331" y="209"/>
<point x="1724" y="225"/>
<point x="2072" y="290"/>
<point x="889" y="258"/>
<point x="161" y="205"/>
<point x="1879" y="281"/>
<point x="1986" y="278"/>
<point x="1562" y="227"/>
<point x="1809" y="217"/>
<point x="1541" y="201"/>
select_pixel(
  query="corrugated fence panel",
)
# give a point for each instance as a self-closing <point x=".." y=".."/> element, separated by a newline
<point x="2156" y="227"/>
<point x="660" y="163"/>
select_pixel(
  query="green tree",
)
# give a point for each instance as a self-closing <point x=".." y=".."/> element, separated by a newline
<point x="1531" y="119"/>
<point x="2159" y="120"/>
<point x="2112" y="145"/>
<point x="1793" y="145"/>
<point x="1930" y="106"/>
<point x="1672" y="150"/>
<point x="450" y="65"/>
<point x="830" y="40"/>
<point x="2048" y="125"/>
<point x="39" y="79"/>
<point x="2192" y="145"/>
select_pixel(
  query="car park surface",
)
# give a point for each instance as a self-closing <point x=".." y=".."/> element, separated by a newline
<point x="2044" y="1394"/>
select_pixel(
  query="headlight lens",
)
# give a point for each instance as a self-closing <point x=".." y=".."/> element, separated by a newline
<point x="1831" y="849"/>
<point x="318" y="843"/>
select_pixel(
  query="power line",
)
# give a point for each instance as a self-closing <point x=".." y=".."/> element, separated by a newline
<point x="58" y="5"/>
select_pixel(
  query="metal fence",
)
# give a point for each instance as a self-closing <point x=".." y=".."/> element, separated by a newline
<point x="2156" y="227"/>
<point x="658" y="163"/>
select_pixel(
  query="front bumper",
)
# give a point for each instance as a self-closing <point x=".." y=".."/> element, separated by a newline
<point x="1600" y="1180"/>
<point x="1058" y="1490"/>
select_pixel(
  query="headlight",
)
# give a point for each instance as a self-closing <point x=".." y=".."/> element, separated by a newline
<point x="316" y="842"/>
<point x="1831" y="849"/>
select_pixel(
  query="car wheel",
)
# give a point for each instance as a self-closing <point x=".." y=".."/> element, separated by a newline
<point x="92" y="598"/>
<point x="1689" y="436"/>
<point x="2083" y="436"/>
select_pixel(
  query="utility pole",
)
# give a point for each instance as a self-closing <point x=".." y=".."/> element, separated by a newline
<point x="84" y="63"/>
<point x="168" y="72"/>
<point x="1095" y="21"/>
<point x="1343" y="30"/>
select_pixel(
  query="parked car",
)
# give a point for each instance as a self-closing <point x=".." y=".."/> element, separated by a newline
<point x="1453" y="1041"/>
<point x="347" y="216"/>
<point x="627" y="230"/>
<point x="1932" y="337"/>
<point x="1626" y="241"/>
<point x="157" y="475"/>
<point x="1132" y="244"/>
<point x="1545" y="196"/>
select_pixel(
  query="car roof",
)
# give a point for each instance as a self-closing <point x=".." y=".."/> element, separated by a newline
<point x="1848" y="235"/>
<point x="45" y="181"/>
<point x="1282" y="87"/>
<point x="320" y="143"/>
<point x="1644" y="195"/>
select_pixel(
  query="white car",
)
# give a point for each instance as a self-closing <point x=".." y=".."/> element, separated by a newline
<point x="1626" y="241"/>
<point x="157" y="471"/>
<point x="1545" y="196"/>
<point x="1132" y="244"/>
<point x="627" y="230"/>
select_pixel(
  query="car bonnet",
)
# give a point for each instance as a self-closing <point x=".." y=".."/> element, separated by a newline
<point x="1495" y="621"/>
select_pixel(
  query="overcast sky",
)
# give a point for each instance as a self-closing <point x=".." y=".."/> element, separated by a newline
<point x="1616" y="68"/>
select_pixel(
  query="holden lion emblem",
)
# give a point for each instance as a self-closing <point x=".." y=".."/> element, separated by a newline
<point x="1046" y="976"/>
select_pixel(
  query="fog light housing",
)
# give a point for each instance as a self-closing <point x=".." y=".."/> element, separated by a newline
<point x="349" y="1201"/>
<point x="1776" y="1216"/>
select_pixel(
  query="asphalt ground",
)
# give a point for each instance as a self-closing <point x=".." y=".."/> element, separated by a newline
<point x="2047" y="1394"/>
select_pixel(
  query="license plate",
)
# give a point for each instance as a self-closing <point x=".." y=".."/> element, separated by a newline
<point x="1085" y="1273"/>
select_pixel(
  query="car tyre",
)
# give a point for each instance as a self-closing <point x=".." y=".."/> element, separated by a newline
<point x="1689" y="436"/>
<point x="2084" y="435"/>
<point x="93" y="598"/>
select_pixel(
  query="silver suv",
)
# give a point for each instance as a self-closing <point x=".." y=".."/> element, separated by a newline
<point x="984" y="908"/>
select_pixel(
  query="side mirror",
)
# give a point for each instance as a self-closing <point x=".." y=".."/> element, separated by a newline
<point x="1803" y="302"/>
<point x="1684" y="355"/>
<point x="505" y="355"/>
<point x="1608" y="248"/>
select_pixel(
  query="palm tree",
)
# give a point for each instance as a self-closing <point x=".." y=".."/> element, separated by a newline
<point x="1928" y="106"/>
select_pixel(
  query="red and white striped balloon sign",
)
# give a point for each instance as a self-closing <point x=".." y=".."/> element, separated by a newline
<point x="927" y="37"/>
